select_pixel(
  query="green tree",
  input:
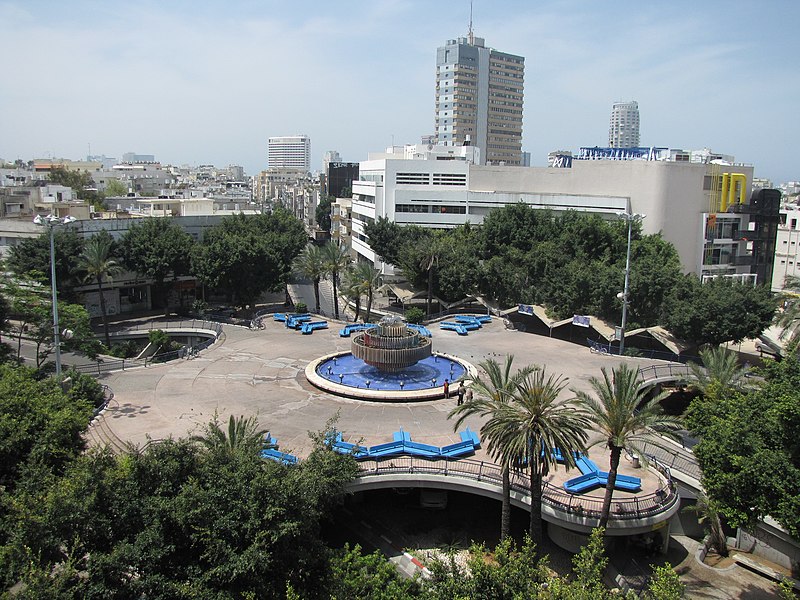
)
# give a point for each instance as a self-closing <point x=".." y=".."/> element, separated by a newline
<point x="386" y="238"/>
<point x="352" y="288"/>
<point x="789" y="317"/>
<point x="720" y="369"/>
<point x="707" y="512"/>
<point x="493" y="391"/>
<point x="749" y="451"/>
<point x="368" y="279"/>
<point x="40" y="424"/>
<point x="311" y="264"/>
<point x="534" y="422"/>
<point x="247" y="255"/>
<point x="322" y="214"/>
<point x="242" y="435"/>
<point x="31" y="259"/>
<point x="718" y="311"/>
<point x="368" y="577"/>
<point x="97" y="263"/>
<point x="624" y="417"/>
<point x="115" y="188"/>
<point x="664" y="585"/>
<point x="336" y="259"/>
<point x="158" y="249"/>
<point x="81" y="182"/>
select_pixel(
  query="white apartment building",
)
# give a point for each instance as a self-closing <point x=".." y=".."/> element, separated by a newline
<point x="479" y="98"/>
<point x="290" y="152"/>
<point x="677" y="197"/>
<point x="787" y="247"/>
<point x="623" y="130"/>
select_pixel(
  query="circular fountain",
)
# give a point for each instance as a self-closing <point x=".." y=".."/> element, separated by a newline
<point x="390" y="361"/>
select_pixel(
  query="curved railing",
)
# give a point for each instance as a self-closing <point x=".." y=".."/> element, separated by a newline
<point x="627" y="508"/>
<point x="664" y="372"/>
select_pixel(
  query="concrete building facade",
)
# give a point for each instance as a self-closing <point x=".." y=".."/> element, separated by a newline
<point x="479" y="99"/>
<point x="683" y="201"/>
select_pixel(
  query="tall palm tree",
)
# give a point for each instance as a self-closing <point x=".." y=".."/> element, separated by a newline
<point x="352" y="289"/>
<point x="371" y="279"/>
<point x="720" y="370"/>
<point x="336" y="258"/>
<point x="96" y="263"/>
<point x="311" y="264"/>
<point x="491" y="393"/>
<point x="624" y="416"/>
<point x="531" y="424"/>
<point x="242" y="435"/>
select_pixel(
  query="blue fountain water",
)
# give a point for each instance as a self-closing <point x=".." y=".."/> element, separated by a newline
<point x="426" y="374"/>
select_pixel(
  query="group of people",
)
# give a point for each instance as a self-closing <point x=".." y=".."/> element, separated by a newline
<point x="463" y="392"/>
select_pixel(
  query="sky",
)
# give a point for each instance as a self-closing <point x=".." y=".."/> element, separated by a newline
<point x="207" y="82"/>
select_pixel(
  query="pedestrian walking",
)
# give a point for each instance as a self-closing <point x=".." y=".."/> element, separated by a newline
<point x="446" y="389"/>
<point x="461" y="391"/>
<point x="468" y="395"/>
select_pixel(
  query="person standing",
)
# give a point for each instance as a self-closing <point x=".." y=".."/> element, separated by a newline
<point x="461" y="390"/>
<point x="446" y="389"/>
<point x="468" y="395"/>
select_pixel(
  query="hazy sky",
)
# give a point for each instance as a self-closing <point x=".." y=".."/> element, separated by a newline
<point x="207" y="82"/>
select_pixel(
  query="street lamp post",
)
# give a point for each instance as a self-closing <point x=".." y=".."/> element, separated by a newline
<point x="630" y="218"/>
<point x="51" y="222"/>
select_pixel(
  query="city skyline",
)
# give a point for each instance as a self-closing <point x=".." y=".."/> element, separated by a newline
<point x="209" y="83"/>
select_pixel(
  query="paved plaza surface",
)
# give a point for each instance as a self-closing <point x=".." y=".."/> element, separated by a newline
<point x="260" y="372"/>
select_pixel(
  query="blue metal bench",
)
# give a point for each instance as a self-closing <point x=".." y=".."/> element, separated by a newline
<point x="459" y="328"/>
<point x="401" y="436"/>
<point x="417" y="449"/>
<point x="459" y="449"/>
<point x="310" y="327"/>
<point x="471" y="436"/>
<point x="278" y="456"/>
<point x="583" y="483"/>
<point x="387" y="449"/>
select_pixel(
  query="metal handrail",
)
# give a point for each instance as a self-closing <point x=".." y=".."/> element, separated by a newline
<point x="623" y="508"/>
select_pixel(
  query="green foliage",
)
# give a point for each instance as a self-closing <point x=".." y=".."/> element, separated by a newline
<point x="114" y="187"/>
<point x="590" y="563"/>
<point x="386" y="238"/>
<point x="199" y="308"/>
<point x="39" y="423"/>
<point x="31" y="259"/>
<point x="242" y="435"/>
<point x="311" y="264"/>
<point x="301" y="307"/>
<point x="356" y="576"/>
<point x="97" y="263"/>
<point x="414" y="315"/>
<point x="749" y="450"/>
<point x="664" y="585"/>
<point x="719" y="310"/>
<point x="126" y="349"/>
<point x="322" y="215"/>
<point x="79" y="181"/>
<point x="85" y="388"/>
<point x="176" y="520"/>
<point x="161" y="341"/>
<point x="247" y="255"/>
<point x="158" y="249"/>
<point x="336" y="259"/>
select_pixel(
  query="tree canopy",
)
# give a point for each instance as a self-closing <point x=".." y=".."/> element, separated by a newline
<point x="31" y="259"/>
<point x="749" y="450"/>
<point x="247" y="255"/>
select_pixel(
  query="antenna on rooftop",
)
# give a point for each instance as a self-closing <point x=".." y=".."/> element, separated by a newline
<point x="470" y="35"/>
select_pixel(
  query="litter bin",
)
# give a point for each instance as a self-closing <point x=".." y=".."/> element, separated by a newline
<point x="635" y="461"/>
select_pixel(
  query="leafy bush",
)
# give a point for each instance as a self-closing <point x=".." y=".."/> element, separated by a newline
<point x="126" y="349"/>
<point x="301" y="307"/>
<point x="414" y="315"/>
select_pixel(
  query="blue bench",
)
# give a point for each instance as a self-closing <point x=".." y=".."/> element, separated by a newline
<point x="463" y="448"/>
<point x="269" y="440"/>
<point x="348" y="329"/>
<point x="279" y="316"/>
<point x="387" y="449"/>
<point x="625" y="483"/>
<point x="278" y="456"/>
<point x="417" y="449"/>
<point x="459" y="328"/>
<point x="467" y="320"/>
<point x="310" y="327"/>
<point x="583" y="483"/>
<point x="586" y="465"/>
<point x="423" y="331"/>
<point x="470" y="436"/>
<point x="401" y="436"/>
<point x="297" y="321"/>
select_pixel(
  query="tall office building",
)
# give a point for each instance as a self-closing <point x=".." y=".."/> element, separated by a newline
<point x="290" y="152"/>
<point x="479" y="94"/>
<point x="623" y="132"/>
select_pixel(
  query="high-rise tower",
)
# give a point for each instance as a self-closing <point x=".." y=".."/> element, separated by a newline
<point x="290" y="152"/>
<point x="479" y="94"/>
<point x="623" y="132"/>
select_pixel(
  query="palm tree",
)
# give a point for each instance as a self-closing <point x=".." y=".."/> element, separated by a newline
<point x="96" y="264"/>
<point x="335" y="258"/>
<point x="352" y="289"/>
<point x="311" y="264"/>
<point x="707" y="512"/>
<point x="490" y="394"/>
<point x="371" y="279"/>
<point x="243" y="435"/>
<point x="530" y="425"/>
<point x="624" y="416"/>
<point x="720" y="370"/>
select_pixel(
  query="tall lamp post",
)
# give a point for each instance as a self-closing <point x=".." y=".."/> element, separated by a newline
<point x="630" y="218"/>
<point x="51" y="222"/>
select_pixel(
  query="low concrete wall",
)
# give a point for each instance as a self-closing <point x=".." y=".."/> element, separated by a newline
<point x="769" y="540"/>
